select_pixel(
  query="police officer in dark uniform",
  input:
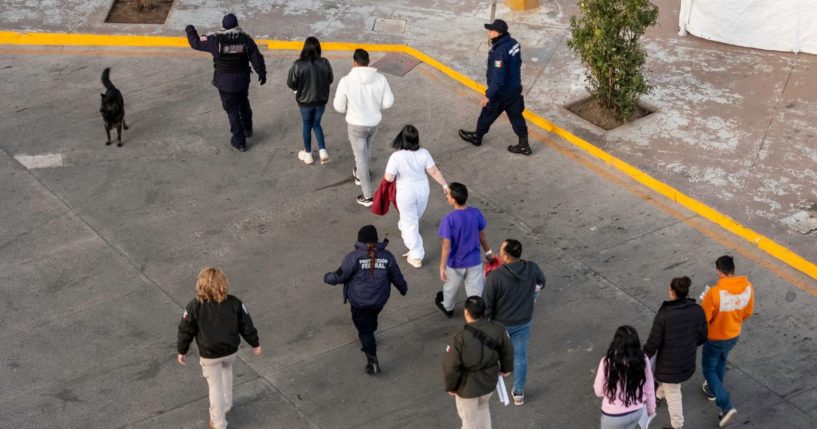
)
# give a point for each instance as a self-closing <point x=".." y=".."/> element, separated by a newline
<point x="232" y="51"/>
<point x="504" y="92"/>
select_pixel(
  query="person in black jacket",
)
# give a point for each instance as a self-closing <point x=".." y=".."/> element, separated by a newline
<point x="474" y="357"/>
<point x="677" y="331"/>
<point x="310" y="77"/>
<point x="232" y="49"/>
<point x="504" y="93"/>
<point x="216" y="319"/>
<point x="367" y="274"/>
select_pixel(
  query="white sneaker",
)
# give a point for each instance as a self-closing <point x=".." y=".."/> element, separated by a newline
<point x="416" y="263"/>
<point x="324" y="156"/>
<point x="306" y="157"/>
<point x="727" y="418"/>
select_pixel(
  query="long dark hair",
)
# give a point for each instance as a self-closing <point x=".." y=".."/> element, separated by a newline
<point x="311" y="50"/>
<point x="407" y="139"/>
<point x="624" y="364"/>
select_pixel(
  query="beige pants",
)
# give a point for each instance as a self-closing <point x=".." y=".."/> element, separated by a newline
<point x="219" y="375"/>
<point x="474" y="412"/>
<point x="672" y="393"/>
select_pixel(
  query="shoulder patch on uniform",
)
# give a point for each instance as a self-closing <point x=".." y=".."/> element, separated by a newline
<point x="186" y="315"/>
<point x="203" y="38"/>
<point x="447" y="348"/>
<point x="498" y="64"/>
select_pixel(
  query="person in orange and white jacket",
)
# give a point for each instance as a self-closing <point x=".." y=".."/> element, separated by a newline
<point x="726" y="305"/>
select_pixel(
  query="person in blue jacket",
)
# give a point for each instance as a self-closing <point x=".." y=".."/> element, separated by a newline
<point x="367" y="274"/>
<point x="232" y="51"/>
<point x="504" y="93"/>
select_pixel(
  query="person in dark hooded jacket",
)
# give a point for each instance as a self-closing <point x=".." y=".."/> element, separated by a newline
<point x="509" y="294"/>
<point x="677" y="331"/>
<point x="367" y="274"/>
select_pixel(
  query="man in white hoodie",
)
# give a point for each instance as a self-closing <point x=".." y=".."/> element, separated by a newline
<point x="361" y="95"/>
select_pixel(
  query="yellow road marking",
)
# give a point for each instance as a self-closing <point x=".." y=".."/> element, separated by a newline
<point x="762" y="242"/>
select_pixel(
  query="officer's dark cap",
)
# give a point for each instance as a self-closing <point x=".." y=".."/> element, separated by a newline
<point x="498" y="25"/>
<point x="229" y="22"/>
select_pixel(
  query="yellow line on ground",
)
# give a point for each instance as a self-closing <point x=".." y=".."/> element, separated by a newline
<point x="762" y="242"/>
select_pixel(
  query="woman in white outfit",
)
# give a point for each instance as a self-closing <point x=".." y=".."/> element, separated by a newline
<point x="409" y="165"/>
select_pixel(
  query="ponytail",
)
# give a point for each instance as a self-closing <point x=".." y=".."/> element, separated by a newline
<point x="372" y="256"/>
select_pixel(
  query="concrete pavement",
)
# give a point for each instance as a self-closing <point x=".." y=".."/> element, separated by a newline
<point x="100" y="254"/>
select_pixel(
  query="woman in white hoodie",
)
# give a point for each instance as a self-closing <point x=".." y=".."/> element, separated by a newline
<point x="409" y="165"/>
<point x="361" y="95"/>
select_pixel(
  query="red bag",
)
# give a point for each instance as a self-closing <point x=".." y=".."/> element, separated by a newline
<point x="491" y="264"/>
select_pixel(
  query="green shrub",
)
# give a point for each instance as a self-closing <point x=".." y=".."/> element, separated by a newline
<point x="606" y="38"/>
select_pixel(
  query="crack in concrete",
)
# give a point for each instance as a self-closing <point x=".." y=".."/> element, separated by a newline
<point x="771" y="119"/>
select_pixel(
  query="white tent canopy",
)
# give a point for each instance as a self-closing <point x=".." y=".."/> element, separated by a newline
<point x="778" y="25"/>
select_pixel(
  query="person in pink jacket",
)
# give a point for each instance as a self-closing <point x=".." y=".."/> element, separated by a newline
<point x="624" y="382"/>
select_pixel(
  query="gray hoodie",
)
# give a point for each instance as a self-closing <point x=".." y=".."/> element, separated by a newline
<point x="510" y="292"/>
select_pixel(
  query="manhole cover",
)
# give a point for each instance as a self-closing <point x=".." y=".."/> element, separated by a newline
<point x="390" y="26"/>
<point x="803" y="222"/>
<point x="139" y="11"/>
<point x="395" y="64"/>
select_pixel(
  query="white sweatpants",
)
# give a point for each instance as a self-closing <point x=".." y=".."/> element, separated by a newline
<point x="412" y="199"/>
<point x="219" y="375"/>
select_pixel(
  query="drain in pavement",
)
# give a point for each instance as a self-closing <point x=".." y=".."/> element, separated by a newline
<point x="395" y="64"/>
<point x="389" y="26"/>
<point x="139" y="11"/>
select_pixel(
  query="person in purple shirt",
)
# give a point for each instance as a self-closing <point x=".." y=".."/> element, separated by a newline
<point x="462" y="232"/>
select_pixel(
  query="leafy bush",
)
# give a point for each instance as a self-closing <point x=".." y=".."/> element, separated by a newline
<point x="606" y="37"/>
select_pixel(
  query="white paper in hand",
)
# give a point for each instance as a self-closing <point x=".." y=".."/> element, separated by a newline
<point x="502" y="392"/>
<point x="645" y="420"/>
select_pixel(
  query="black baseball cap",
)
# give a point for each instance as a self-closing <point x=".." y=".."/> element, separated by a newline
<point x="498" y="25"/>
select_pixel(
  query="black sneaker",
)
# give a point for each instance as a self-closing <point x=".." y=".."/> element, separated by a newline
<point x="707" y="392"/>
<point x="365" y="202"/>
<point x="471" y="137"/>
<point x="438" y="301"/>
<point x="372" y="366"/>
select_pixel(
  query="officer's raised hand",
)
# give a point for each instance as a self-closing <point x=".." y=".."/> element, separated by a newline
<point x="189" y="28"/>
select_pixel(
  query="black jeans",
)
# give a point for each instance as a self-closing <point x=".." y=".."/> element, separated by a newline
<point x="237" y="106"/>
<point x="513" y="105"/>
<point x="365" y="320"/>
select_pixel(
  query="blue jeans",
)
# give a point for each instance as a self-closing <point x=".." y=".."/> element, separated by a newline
<point x="713" y="364"/>
<point x="311" y="117"/>
<point x="519" y="337"/>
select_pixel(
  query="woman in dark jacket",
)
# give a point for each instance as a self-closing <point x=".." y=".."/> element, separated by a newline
<point x="677" y="331"/>
<point x="216" y="319"/>
<point x="310" y="77"/>
<point x="367" y="274"/>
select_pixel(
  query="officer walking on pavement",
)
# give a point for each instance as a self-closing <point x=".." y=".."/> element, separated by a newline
<point x="504" y="93"/>
<point x="232" y="51"/>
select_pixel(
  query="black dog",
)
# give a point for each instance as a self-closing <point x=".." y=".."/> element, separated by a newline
<point x="112" y="109"/>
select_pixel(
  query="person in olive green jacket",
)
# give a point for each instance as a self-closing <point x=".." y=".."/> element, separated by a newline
<point x="474" y="358"/>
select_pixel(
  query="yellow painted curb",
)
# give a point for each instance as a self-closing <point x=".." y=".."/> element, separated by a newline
<point x="762" y="242"/>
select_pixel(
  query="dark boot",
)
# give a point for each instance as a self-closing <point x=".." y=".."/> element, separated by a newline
<point x="471" y="137"/>
<point x="372" y="366"/>
<point x="522" y="147"/>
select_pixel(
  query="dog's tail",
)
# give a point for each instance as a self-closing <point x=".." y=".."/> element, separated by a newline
<point x="106" y="80"/>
